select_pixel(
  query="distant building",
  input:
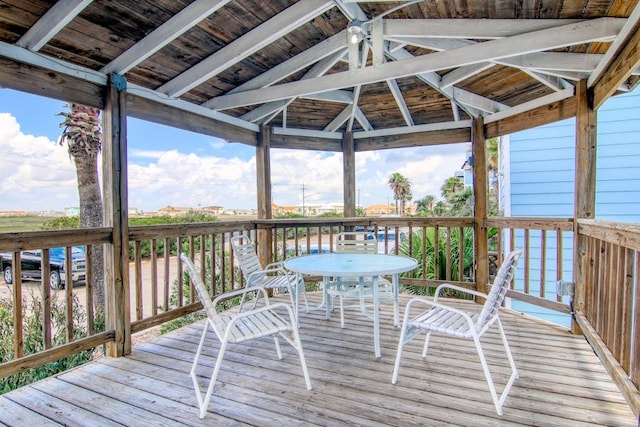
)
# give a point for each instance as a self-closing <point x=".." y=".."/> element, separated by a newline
<point x="380" y="209"/>
<point x="75" y="211"/>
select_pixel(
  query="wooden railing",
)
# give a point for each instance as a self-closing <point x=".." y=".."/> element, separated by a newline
<point x="158" y="292"/>
<point x="608" y="304"/>
<point x="74" y="341"/>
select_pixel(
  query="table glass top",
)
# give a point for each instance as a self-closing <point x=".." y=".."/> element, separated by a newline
<point x="353" y="264"/>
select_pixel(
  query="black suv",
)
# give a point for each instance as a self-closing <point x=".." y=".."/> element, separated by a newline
<point x="31" y="266"/>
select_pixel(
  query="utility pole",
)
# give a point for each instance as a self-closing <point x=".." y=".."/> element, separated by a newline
<point x="303" y="198"/>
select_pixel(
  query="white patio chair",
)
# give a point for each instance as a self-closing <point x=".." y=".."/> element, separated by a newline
<point x="239" y="326"/>
<point x="355" y="287"/>
<point x="273" y="276"/>
<point x="456" y="323"/>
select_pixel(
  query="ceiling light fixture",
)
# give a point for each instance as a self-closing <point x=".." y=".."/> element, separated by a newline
<point x="354" y="29"/>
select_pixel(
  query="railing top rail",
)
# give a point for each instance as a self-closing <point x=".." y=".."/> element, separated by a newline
<point x="27" y="240"/>
<point x="559" y="224"/>
<point x="623" y="234"/>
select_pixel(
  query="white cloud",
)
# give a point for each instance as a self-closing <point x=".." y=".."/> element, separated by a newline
<point x="38" y="175"/>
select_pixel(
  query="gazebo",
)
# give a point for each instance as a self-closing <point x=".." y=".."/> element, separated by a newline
<point x="344" y="76"/>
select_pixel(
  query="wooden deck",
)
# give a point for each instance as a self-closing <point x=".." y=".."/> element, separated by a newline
<point x="561" y="382"/>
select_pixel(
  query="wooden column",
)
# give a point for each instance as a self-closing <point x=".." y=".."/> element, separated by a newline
<point x="480" y="198"/>
<point x="114" y="162"/>
<point x="585" y="187"/>
<point x="349" y="175"/>
<point x="263" y="177"/>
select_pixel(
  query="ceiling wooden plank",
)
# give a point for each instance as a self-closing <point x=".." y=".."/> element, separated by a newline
<point x="583" y="32"/>
<point x="54" y="20"/>
<point x="163" y="35"/>
<point x="263" y="35"/>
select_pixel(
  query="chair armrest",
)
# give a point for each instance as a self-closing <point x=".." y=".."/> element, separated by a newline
<point x="457" y="288"/>
<point x="265" y="272"/>
<point x="249" y="313"/>
<point x="435" y="304"/>
<point x="240" y="292"/>
<point x="275" y="265"/>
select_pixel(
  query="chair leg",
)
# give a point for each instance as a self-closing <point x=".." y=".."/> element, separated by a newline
<point x="277" y="342"/>
<point x="426" y="344"/>
<point x="204" y="403"/>
<point x="401" y="343"/>
<point x="498" y="401"/>
<point x="341" y="311"/>
<point x="297" y="344"/>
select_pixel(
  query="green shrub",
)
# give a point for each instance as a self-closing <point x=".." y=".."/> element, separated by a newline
<point x="33" y="338"/>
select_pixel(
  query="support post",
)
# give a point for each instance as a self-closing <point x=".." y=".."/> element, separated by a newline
<point x="349" y="175"/>
<point x="585" y="189"/>
<point x="480" y="198"/>
<point x="114" y="162"/>
<point x="263" y="176"/>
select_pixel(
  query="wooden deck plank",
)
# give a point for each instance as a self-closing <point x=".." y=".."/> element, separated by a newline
<point x="561" y="381"/>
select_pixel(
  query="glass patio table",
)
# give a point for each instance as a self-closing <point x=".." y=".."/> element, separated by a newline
<point x="361" y="266"/>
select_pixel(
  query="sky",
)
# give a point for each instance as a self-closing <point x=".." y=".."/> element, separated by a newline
<point x="172" y="167"/>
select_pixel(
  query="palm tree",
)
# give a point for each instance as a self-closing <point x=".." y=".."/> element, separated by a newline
<point x="451" y="186"/>
<point x="84" y="141"/>
<point x="401" y="187"/>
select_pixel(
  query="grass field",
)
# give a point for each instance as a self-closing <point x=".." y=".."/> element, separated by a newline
<point x="9" y="224"/>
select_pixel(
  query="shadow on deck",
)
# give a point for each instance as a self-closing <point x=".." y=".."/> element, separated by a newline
<point x="561" y="382"/>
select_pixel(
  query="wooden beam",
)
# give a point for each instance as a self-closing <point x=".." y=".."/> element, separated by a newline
<point x="51" y="84"/>
<point x="567" y="35"/>
<point x="163" y="35"/>
<point x="481" y="201"/>
<point x="54" y="20"/>
<point x="114" y="155"/>
<point x="349" y="175"/>
<point x="263" y="178"/>
<point x="418" y="139"/>
<point x="469" y="28"/>
<point x="585" y="189"/>
<point x="146" y="109"/>
<point x="301" y="142"/>
<point x="627" y="60"/>
<point x="554" y="112"/>
<point x="264" y="34"/>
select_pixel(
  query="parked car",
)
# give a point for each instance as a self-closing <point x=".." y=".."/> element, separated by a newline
<point x="31" y="266"/>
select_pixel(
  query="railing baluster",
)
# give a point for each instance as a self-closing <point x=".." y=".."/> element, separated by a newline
<point x="138" y="279"/>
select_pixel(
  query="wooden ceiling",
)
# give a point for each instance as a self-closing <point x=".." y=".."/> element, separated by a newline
<point x="312" y="70"/>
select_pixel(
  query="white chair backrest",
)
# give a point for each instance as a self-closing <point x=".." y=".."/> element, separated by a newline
<point x="499" y="288"/>
<point x="245" y="253"/>
<point x="356" y="242"/>
<point x="203" y="294"/>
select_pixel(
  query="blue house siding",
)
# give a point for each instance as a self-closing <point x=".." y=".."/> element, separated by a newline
<point x="541" y="179"/>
